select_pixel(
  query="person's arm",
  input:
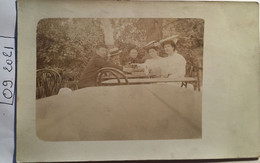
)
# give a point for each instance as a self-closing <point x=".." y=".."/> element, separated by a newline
<point x="100" y="62"/>
<point x="138" y="66"/>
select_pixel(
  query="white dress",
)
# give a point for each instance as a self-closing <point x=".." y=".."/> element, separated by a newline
<point x="175" y="66"/>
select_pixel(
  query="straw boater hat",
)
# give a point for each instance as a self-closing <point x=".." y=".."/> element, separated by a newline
<point x="114" y="52"/>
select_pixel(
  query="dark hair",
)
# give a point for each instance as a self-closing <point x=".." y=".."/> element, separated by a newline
<point x="171" y="42"/>
<point x="101" y="46"/>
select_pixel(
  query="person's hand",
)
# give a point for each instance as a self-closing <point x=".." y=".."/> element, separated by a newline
<point x="135" y="64"/>
<point x="127" y="69"/>
<point x="138" y="67"/>
<point x="138" y="64"/>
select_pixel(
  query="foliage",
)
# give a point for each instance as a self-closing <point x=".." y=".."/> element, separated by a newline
<point x="67" y="44"/>
<point x="127" y="35"/>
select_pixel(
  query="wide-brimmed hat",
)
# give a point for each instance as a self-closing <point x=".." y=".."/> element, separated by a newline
<point x="152" y="45"/>
<point x="114" y="51"/>
<point x="169" y="40"/>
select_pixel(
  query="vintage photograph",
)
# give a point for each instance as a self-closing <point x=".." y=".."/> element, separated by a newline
<point x="119" y="78"/>
<point x="136" y="80"/>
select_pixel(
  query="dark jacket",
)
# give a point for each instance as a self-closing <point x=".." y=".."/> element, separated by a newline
<point x="89" y="74"/>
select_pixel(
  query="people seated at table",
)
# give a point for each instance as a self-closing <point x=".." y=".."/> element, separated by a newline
<point x="172" y="66"/>
<point x="175" y="63"/>
<point x="98" y="61"/>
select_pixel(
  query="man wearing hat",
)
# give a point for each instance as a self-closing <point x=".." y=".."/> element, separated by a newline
<point x="98" y="61"/>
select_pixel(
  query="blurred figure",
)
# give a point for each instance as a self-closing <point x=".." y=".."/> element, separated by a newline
<point x="64" y="91"/>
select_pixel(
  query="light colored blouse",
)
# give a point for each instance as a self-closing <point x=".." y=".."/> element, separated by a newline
<point x="175" y="66"/>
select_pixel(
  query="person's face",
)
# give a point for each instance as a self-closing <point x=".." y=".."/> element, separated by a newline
<point x="133" y="53"/>
<point x="153" y="53"/>
<point x="168" y="49"/>
<point x="102" y="52"/>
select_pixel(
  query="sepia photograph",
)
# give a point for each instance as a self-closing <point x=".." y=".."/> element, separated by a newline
<point x="119" y="78"/>
<point x="136" y="80"/>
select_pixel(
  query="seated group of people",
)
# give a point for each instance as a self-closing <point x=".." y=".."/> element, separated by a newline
<point x="172" y="66"/>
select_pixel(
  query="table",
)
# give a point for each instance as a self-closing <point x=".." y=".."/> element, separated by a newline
<point x="125" y="112"/>
<point x="149" y="80"/>
<point x="142" y="78"/>
<point x="136" y="80"/>
<point x="129" y="76"/>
